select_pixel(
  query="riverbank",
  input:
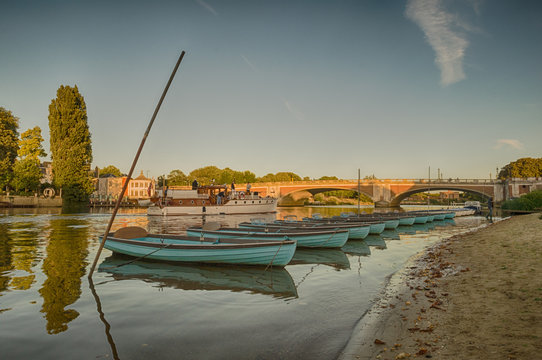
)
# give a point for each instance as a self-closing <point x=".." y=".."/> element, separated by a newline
<point x="472" y="296"/>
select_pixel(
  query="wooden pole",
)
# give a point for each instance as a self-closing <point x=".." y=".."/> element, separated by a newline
<point x="117" y="205"/>
<point x="359" y="193"/>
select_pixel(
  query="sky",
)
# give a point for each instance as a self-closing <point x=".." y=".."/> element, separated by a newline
<point x="319" y="88"/>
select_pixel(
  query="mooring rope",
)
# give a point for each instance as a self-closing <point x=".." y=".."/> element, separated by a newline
<point x="273" y="259"/>
<point x="141" y="257"/>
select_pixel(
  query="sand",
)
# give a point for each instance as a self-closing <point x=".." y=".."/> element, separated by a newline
<point x="473" y="296"/>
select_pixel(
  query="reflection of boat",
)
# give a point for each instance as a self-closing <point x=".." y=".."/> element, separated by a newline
<point x="357" y="248"/>
<point x="209" y="200"/>
<point x="135" y="241"/>
<point x="446" y="222"/>
<point x="331" y="257"/>
<point x="423" y="227"/>
<point x="390" y="234"/>
<point x="304" y="238"/>
<point x="274" y="281"/>
<point x="376" y="241"/>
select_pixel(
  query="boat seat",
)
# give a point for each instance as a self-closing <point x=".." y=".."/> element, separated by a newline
<point x="211" y="226"/>
<point x="130" y="232"/>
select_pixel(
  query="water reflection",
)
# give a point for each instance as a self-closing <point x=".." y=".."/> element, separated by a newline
<point x="330" y="257"/>
<point x="64" y="266"/>
<point x="273" y="281"/>
<point x="5" y="257"/>
<point x="358" y="248"/>
<point x="375" y="241"/>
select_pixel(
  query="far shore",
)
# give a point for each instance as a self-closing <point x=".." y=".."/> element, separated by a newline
<point x="472" y="296"/>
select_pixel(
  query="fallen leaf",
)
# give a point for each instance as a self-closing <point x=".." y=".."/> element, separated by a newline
<point x="379" y="342"/>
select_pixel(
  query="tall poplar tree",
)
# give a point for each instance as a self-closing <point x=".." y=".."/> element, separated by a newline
<point x="9" y="136"/>
<point x="71" y="150"/>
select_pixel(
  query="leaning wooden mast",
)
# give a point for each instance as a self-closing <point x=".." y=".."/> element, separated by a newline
<point x="125" y="186"/>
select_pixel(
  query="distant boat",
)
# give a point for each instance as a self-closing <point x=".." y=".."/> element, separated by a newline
<point x="210" y="200"/>
<point x="135" y="242"/>
<point x="335" y="238"/>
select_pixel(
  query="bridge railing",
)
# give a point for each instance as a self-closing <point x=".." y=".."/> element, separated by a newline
<point x="379" y="181"/>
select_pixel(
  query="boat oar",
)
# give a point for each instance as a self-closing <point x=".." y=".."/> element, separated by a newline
<point x="117" y="205"/>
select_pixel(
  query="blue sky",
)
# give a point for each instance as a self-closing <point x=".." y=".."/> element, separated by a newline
<point x="314" y="87"/>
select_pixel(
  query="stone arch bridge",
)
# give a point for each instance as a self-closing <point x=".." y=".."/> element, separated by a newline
<point x="390" y="192"/>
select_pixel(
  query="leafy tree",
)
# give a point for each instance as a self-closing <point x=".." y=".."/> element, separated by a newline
<point x="205" y="175"/>
<point x="9" y="125"/>
<point x="280" y="177"/>
<point x="27" y="172"/>
<point x="110" y="170"/>
<point x="370" y="177"/>
<point x="177" y="177"/>
<point x="522" y="168"/>
<point x="71" y="149"/>
<point x="329" y="178"/>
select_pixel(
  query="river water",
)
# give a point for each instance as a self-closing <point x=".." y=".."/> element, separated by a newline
<point x="308" y="310"/>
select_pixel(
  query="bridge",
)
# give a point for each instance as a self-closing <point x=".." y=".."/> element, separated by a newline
<point x="390" y="192"/>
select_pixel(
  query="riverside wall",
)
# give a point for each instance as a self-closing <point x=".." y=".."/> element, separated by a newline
<point x="29" y="201"/>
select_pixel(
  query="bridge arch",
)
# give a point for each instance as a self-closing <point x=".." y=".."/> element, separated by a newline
<point x="297" y="194"/>
<point x="396" y="201"/>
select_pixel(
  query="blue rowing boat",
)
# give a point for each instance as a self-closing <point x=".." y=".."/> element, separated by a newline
<point x="335" y="238"/>
<point x="178" y="248"/>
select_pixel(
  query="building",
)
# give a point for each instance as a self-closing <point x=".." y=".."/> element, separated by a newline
<point x="46" y="168"/>
<point x="109" y="188"/>
<point x="451" y="195"/>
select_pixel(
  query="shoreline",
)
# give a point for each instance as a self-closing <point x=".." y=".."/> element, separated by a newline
<point x="452" y="300"/>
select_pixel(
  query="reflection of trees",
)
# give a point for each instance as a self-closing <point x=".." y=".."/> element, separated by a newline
<point x="64" y="266"/>
<point x="5" y="257"/>
<point x="23" y="255"/>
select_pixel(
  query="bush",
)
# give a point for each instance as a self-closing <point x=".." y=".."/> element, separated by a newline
<point x="527" y="202"/>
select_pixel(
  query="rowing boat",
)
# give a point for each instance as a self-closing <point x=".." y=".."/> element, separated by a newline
<point x="177" y="248"/>
<point x="334" y="238"/>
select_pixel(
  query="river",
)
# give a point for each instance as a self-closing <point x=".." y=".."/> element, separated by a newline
<point x="308" y="310"/>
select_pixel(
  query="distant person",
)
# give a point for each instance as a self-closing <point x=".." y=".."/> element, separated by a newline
<point x="248" y="188"/>
<point x="219" y="198"/>
<point x="195" y="184"/>
<point x="489" y="215"/>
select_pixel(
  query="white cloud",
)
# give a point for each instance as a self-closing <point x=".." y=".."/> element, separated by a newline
<point x="516" y="144"/>
<point x="207" y="7"/>
<point x="440" y="28"/>
<point x="294" y="111"/>
<point x="248" y="62"/>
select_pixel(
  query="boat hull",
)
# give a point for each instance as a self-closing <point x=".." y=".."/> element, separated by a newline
<point x="258" y="206"/>
<point x="177" y="249"/>
<point x="407" y="221"/>
<point x="326" y="239"/>
<point x="377" y="228"/>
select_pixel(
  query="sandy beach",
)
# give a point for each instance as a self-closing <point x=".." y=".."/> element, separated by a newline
<point x="473" y="296"/>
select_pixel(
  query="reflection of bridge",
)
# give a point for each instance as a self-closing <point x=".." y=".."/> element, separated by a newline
<point x="390" y="192"/>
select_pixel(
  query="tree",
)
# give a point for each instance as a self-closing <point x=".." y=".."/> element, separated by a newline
<point x="177" y="177"/>
<point x="110" y="170"/>
<point x="522" y="168"/>
<point x="27" y="172"/>
<point x="9" y="125"/>
<point x="329" y="178"/>
<point x="71" y="149"/>
<point x="280" y="177"/>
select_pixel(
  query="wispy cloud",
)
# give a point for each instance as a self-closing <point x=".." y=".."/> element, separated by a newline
<point x="207" y="7"/>
<point x="516" y="144"/>
<point x="294" y="111"/>
<point x="249" y="63"/>
<point x="441" y="30"/>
